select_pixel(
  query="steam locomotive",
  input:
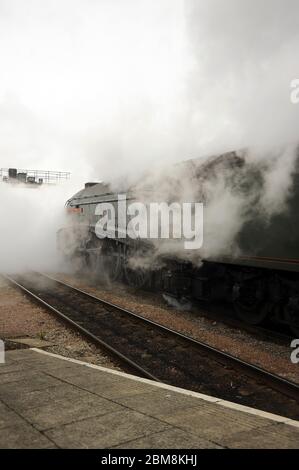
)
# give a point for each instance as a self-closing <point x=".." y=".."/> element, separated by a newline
<point x="257" y="265"/>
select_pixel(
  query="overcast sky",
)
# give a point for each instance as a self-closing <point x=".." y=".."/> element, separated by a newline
<point x="104" y="87"/>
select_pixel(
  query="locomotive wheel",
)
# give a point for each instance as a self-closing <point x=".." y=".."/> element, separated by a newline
<point x="93" y="256"/>
<point x="248" y="304"/>
<point x="111" y="261"/>
<point x="93" y="263"/>
<point x="135" y="277"/>
<point x="103" y="259"/>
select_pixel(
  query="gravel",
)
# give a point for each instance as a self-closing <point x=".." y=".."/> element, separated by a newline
<point x="266" y="354"/>
<point x="20" y="318"/>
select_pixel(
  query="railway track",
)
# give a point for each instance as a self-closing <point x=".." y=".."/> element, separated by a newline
<point x="159" y="353"/>
<point x="271" y="332"/>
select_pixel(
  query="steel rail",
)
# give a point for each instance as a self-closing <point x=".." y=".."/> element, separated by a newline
<point x="85" y="332"/>
<point x="273" y="381"/>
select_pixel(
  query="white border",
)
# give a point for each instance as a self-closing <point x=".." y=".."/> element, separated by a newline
<point x="207" y="398"/>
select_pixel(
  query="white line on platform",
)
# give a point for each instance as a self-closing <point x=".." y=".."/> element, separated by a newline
<point x="208" y="398"/>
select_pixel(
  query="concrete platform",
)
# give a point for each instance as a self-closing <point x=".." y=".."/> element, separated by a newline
<point x="47" y="401"/>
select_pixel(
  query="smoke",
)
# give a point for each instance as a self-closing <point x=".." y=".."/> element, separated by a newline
<point x="244" y="62"/>
<point x="105" y="77"/>
<point x="30" y="217"/>
<point x="237" y="188"/>
<point x="85" y="84"/>
<point x="278" y="167"/>
<point x="253" y="192"/>
<point x="107" y="89"/>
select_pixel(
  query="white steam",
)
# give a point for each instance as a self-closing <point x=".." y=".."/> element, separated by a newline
<point x="108" y="88"/>
<point x="29" y="219"/>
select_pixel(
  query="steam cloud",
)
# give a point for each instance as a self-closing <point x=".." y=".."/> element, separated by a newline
<point x="107" y="89"/>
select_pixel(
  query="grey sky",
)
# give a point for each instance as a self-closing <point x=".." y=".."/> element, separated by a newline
<point x="106" y="87"/>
